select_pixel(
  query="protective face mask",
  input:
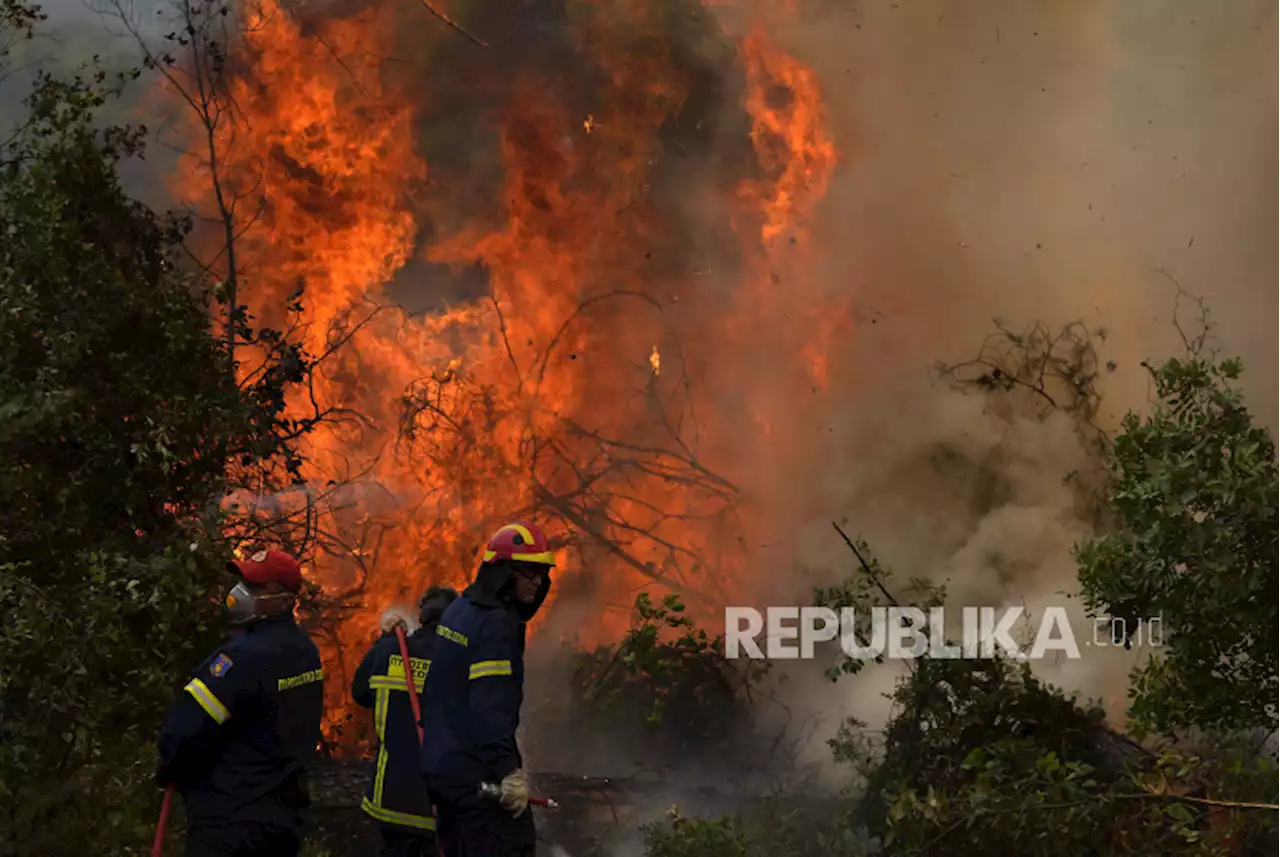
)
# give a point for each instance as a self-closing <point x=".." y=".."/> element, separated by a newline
<point x="241" y="605"/>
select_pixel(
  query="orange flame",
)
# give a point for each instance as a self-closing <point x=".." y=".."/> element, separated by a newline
<point x="536" y="394"/>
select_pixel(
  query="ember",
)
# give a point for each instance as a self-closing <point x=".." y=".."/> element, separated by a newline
<point x="493" y="263"/>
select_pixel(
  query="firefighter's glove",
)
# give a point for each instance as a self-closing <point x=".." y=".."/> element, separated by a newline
<point x="515" y="793"/>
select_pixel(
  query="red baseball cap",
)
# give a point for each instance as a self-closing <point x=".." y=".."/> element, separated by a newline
<point x="270" y="566"/>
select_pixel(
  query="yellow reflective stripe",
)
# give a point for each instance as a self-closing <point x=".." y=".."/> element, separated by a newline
<point x="299" y="680"/>
<point x="386" y="682"/>
<point x="210" y="703"/>
<point x="422" y="822"/>
<point x="380" y="707"/>
<point x="380" y="778"/>
<point x="450" y="634"/>
<point x="487" y="669"/>
<point x="522" y="530"/>
<point x="544" y="558"/>
<point x="380" y="712"/>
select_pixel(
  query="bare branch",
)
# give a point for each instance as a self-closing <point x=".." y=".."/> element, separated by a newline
<point x="1193" y="344"/>
<point x="445" y="19"/>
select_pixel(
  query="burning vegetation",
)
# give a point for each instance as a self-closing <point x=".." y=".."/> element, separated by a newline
<point x="560" y="261"/>
<point x="554" y="266"/>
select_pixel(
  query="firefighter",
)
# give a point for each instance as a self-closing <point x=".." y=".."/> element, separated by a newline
<point x="471" y="705"/>
<point x="396" y="797"/>
<point x="238" y="739"/>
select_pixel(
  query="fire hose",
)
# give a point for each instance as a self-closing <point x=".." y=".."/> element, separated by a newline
<point x="408" y="681"/>
<point x="493" y="791"/>
<point x="157" y="847"/>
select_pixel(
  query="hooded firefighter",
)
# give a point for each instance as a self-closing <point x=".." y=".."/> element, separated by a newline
<point x="472" y="698"/>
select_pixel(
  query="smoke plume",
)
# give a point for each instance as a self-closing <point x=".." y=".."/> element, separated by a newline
<point x="675" y="275"/>
<point x="1032" y="162"/>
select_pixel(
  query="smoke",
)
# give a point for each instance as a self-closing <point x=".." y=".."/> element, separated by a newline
<point x="1043" y="160"/>
<point x="369" y="495"/>
<point x="1017" y="158"/>
<point x="1031" y="161"/>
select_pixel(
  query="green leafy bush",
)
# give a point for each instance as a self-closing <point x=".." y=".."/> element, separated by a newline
<point x="694" y="837"/>
<point x="666" y="684"/>
<point x="1194" y="501"/>
<point x="119" y="416"/>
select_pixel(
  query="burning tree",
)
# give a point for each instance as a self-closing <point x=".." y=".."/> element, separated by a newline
<point x="524" y="290"/>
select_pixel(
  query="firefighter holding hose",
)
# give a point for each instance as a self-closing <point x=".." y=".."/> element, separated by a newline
<point x="471" y="704"/>
<point x="396" y="797"/>
<point x="238" y="739"/>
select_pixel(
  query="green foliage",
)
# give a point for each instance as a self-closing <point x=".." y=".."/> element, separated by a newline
<point x="694" y="837"/>
<point x="1194" y="500"/>
<point x="980" y="756"/>
<point x="804" y="821"/>
<point x="940" y="707"/>
<point x="119" y="417"/>
<point x="89" y="672"/>
<point x="870" y="587"/>
<point x="666" y="683"/>
<point x="778" y="824"/>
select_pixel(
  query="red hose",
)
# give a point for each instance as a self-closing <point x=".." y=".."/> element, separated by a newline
<point x="157" y="847"/>
<point x="408" y="681"/>
<point x="413" y="697"/>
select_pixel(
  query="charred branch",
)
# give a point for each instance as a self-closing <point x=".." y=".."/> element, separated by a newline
<point x="1045" y="373"/>
<point x="602" y="488"/>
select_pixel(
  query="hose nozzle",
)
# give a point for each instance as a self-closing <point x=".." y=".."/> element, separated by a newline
<point x="493" y="791"/>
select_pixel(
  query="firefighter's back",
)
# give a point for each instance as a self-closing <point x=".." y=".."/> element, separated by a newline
<point x="277" y="682"/>
<point x="446" y="742"/>
<point x="396" y="794"/>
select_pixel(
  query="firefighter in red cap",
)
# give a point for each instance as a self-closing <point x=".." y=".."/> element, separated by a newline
<point x="238" y="739"/>
<point x="472" y="697"/>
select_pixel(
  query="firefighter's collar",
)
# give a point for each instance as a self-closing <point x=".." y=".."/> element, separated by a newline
<point x="265" y="622"/>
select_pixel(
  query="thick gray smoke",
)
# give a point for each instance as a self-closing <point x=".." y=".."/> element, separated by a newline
<point x="1027" y="159"/>
<point x="1032" y="161"/>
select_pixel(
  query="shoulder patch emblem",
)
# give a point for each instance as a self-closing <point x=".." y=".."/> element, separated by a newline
<point x="221" y="664"/>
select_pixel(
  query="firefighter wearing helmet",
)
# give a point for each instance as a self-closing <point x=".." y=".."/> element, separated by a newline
<point x="472" y="698"/>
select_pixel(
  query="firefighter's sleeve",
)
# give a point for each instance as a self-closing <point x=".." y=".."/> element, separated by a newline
<point x="361" y="692"/>
<point x="219" y="690"/>
<point x="495" y="697"/>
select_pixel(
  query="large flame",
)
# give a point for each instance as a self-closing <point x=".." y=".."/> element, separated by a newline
<point x="604" y="376"/>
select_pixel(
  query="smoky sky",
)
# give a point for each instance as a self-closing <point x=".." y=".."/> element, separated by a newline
<point x="1023" y="159"/>
<point x="1033" y="162"/>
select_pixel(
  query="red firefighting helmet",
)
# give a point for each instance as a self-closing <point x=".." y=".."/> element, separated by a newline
<point x="522" y="542"/>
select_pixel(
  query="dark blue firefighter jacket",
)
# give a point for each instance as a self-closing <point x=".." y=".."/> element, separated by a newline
<point x="474" y="690"/>
<point x="397" y="794"/>
<point x="239" y="737"/>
